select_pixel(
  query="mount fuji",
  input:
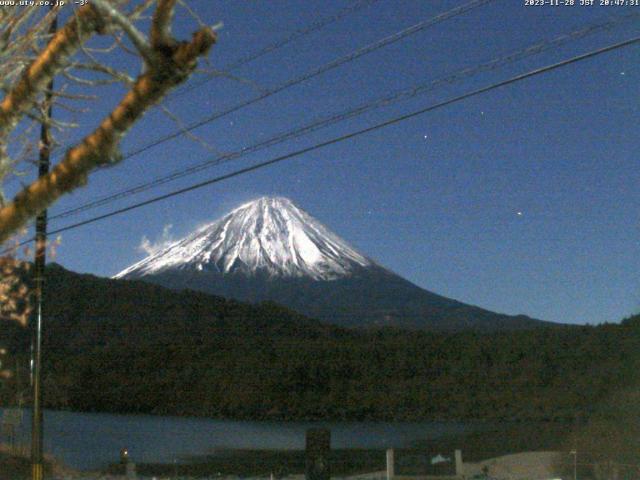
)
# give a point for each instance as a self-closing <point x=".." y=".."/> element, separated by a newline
<point x="269" y="236"/>
<point x="271" y="250"/>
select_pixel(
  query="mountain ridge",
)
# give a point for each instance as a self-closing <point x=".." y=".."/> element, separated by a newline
<point x="271" y="250"/>
<point x="120" y="346"/>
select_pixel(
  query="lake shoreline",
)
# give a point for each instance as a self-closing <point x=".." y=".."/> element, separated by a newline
<point x="92" y="442"/>
<point x="476" y="447"/>
<point x="230" y="463"/>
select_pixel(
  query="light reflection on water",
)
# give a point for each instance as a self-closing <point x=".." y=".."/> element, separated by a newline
<point x="92" y="440"/>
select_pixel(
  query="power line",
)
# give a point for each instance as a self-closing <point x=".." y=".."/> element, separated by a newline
<point x="318" y="71"/>
<point x="372" y="47"/>
<point x="336" y="118"/>
<point x="313" y="27"/>
<point x="348" y="136"/>
<point x="454" y="12"/>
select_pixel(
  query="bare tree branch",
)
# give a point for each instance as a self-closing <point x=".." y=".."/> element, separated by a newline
<point x="183" y="128"/>
<point x="174" y="62"/>
<point x="136" y="36"/>
<point x="140" y="9"/>
<point x="34" y="80"/>
<point x="161" y="24"/>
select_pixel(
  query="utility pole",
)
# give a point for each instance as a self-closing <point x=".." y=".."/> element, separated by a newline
<point x="37" y="471"/>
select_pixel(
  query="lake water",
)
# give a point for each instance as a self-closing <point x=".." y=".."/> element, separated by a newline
<point x="93" y="440"/>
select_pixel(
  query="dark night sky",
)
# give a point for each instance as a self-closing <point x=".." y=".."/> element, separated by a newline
<point x="522" y="200"/>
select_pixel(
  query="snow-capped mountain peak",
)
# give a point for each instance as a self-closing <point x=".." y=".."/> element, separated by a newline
<point x="269" y="235"/>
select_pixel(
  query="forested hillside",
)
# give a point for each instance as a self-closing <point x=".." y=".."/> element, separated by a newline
<point x="126" y="346"/>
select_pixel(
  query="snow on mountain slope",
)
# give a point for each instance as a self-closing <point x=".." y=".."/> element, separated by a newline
<point x="269" y="235"/>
